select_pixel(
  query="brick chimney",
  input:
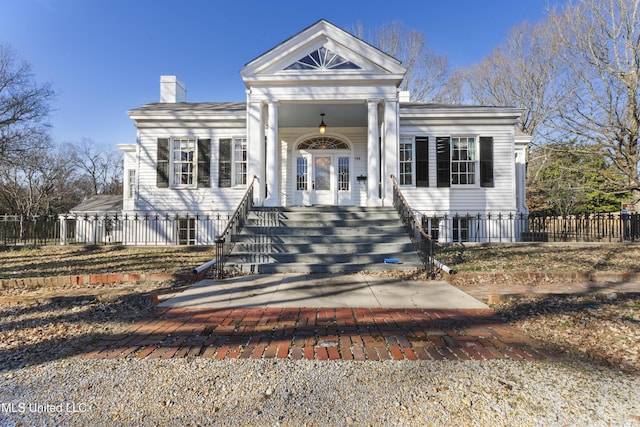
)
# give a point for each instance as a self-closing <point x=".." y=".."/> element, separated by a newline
<point x="172" y="90"/>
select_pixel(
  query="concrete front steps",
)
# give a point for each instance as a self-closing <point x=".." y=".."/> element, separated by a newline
<point x="322" y="239"/>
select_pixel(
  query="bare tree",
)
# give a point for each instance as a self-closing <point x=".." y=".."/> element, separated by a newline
<point x="24" y="106"/>
<point x="34" y="185"/>
<point x="102" y="169"/>
<point x="426" y="71"/>
<point x="601" y="52"/>
<point x="522" y="72"/>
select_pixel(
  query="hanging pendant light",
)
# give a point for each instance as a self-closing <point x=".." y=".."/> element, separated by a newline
<point x="322" y="127"/>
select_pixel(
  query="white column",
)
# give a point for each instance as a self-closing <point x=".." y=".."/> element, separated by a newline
<point x="272" y="156"/>
<point x="255" y="149"/>
<point x="63" y="230"/>
<point x="373" y="153"/>
<point x="390" y="155"/>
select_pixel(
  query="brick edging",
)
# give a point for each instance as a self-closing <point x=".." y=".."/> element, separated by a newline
<point x="93" y="279"/>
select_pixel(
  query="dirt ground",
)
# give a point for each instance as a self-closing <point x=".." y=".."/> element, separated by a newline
<point x="564" y="308"/>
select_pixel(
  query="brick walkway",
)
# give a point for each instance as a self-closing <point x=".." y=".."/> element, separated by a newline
<point x="320" y="334"/>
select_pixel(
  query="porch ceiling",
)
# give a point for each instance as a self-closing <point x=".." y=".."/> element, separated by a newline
<point x="336" y="115"/>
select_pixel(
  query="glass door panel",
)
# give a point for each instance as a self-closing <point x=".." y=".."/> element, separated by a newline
<point x="322" y="173"/>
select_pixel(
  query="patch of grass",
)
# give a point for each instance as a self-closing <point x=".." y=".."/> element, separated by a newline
<point x="557" y="257"/>
<point x="68" y="260"/>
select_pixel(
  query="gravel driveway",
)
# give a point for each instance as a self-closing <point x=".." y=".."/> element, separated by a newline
<point x="284" y="392"/>
<point x="41" y="384"/>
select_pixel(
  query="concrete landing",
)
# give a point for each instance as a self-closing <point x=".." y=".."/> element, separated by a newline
<point x="322" y="290"/>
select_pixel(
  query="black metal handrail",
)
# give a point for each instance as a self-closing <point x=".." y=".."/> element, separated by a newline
<point x="225" y="240"/>
<point x="422" y="241"/>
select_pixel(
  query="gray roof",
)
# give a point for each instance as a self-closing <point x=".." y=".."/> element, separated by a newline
<point x="432" y="105"/>
<point x="194" y="106"/>
<point x="99" y="205"/>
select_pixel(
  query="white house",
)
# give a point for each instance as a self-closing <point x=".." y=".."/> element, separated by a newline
<point x="193" y="161"/>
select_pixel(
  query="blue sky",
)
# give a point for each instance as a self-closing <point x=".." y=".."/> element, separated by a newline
<point x="105" y="57"/>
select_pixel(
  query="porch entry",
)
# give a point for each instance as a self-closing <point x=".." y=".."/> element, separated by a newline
<point x="323" y="172"/>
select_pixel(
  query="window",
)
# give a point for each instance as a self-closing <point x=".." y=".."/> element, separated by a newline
<point x="183" y="163"/>
<point x="460" y="229"/>
<point x="463" y="161"/>
<point x="431" y="225"/>
<point x="323" y="59"/>
<point x="187" y="231"/>
<point x="406" y="161"/>
<point x="343" y="173"/>
<point x="183" y="158"/>
<point x="302" y="173"/>
<point x="232" y="162"/>
<point x="323" y="143"/>
<point x="458" y="163"/>
<point x="240" y="161"/>
<point x="131" y="188"/>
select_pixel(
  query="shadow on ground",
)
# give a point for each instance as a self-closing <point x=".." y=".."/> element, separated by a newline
<point x="37" y="332"/>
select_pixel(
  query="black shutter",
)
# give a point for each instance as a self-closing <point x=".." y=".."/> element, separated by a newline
<point x="162" y="171"/>
<point x="486" y="161"/>
<point x="204" y="163"/>
<point x="224" y="163"/>
<point x="422" y="161"/>
<point x="443" y="161"/>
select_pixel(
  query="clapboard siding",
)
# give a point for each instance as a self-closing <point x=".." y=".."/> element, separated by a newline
<point x="463" y="199"/>
<point x="501" y="197"/>
<point x="151" y="198"/>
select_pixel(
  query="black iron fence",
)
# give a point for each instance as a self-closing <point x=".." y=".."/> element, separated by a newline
<point x="225" y="240"/>
<point x="206" y="228"/>
<point x="422" y="241"/>
<point x="128" y="229"/>
<point x="509" y="227"/>
<point x="596" y="227"/>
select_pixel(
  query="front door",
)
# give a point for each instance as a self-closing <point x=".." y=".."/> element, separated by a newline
<point x="323" y="178"/>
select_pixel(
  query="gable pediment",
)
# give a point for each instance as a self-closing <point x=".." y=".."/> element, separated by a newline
<point x="323" y="59"/>
<point x="323" y="51"/>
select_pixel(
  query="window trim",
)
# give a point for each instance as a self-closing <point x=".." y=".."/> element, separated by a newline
<point x="475" y="161"/>
<point x="131" y="183"/>
<point x="233" y="162"/>
<point x="186" y="230"/>
<point x="412" y="161"/>
<point x="172" y="163"/>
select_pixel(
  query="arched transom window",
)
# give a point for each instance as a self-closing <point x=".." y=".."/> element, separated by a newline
<point x="323" y="59"/>
<point x="323" y="143"/>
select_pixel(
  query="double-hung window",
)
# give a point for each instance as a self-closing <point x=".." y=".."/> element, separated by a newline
<point x="240" y="161"/>
<point x="183" y="163"/>
<point x="407" y="161"/>
<point x="131" y="184"/>
<point x="186" y="231"/>
<point x="232" y="162"/>
<point x="463" y="161"/>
